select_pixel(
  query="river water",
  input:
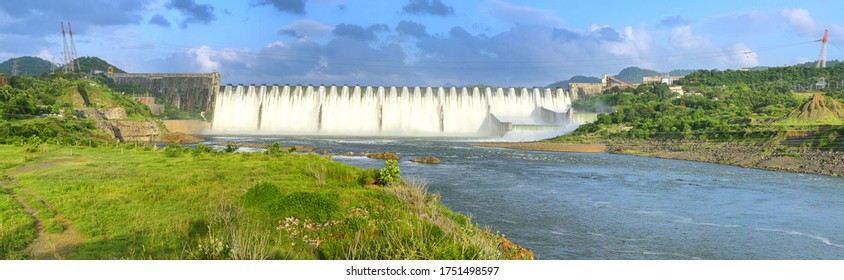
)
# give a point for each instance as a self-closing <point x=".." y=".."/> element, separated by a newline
<point x="605" y="206"/>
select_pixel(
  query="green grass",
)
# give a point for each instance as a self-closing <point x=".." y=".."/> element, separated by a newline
<point x="144" y="204"/>
<point x="17" y="228"/>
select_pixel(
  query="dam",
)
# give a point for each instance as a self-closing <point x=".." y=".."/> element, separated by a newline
<point x="190" y="92"/>
<point x="386" y="111"/>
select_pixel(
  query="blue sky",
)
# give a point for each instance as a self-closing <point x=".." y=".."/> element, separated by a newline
<point x="422" y="42"/>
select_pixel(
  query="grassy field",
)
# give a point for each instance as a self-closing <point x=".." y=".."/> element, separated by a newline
<point x="123" y="202"/>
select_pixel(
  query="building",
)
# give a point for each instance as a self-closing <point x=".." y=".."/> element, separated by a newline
<point x="665" y="79"/>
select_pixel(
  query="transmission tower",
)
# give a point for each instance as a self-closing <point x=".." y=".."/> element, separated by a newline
<point x="68" y="62"/>
<point x="73" y="48"/>
<point x="822" y="57"/>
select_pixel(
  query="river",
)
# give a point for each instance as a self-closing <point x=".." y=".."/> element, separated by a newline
<point x="606" y="206"/>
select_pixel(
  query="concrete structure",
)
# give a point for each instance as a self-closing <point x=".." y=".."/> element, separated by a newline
<point x="665" y="79"/>
<point x="156" y="109"/>
<point x="189" y="92"/>
<point x="578" y="90"/>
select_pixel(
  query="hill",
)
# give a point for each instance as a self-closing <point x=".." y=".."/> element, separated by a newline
<point x="635" y="74"/>
<point x="89" y="64"/>
<point x="27" y="66"/>
<point x="575" y="79"/>
<point x="817" y="110"/>
<point x="630" y="74"/>
<point x="829" y="63"/>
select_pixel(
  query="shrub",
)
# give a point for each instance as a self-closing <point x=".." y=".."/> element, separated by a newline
<point x="269" y="199"/>
<point x="173" y="150"/>
<point x="230" y="148"/>
<point x="275" y="149"/>
<point x="390" y="173"/>
<point x="202" y="149"/>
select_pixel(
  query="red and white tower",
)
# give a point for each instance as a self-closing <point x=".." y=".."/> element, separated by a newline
<point x="822" y="57"/>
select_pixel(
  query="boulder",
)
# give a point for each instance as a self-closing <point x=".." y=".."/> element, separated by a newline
<point x="384" y="155"/>
<point x="427" y="160"/>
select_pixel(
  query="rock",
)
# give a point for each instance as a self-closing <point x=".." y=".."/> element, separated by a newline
<point x="384" y="155"/>
<point x="102" y="114"/>
<point x="428" y="160"/>
<point x="130" y="131"/>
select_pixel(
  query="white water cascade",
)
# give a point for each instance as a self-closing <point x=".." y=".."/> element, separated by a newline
<point x="387" y="111"/>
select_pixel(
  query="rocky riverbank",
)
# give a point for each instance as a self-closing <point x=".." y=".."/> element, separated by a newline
<point x="761" y="156"/>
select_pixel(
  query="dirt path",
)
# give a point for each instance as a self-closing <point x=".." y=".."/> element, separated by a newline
<point x="47" y="244"/>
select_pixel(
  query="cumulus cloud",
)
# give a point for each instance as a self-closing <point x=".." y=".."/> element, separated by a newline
<point x="193" y="12"/>
<point x="305" y="28"/>
<point x="800" y="20"/>
<point x="296" y="7"/>
<point x="159" y="20"/>
<point x="412" y="29"/>
<point x="428" y="7"/>
<point x="204" y="59"/>
<point x="522" y="15"/>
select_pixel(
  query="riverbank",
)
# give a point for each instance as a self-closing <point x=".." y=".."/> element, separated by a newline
<point x="140" y="202"/>
<point x="759" y="156"/>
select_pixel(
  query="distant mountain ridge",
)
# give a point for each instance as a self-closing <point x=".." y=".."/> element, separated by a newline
<point x="630" y="74"/>
<point x="26" y="66"/>
<point x="35" y="66"/>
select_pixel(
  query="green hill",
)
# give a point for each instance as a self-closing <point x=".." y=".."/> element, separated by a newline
<point x="27" y="66"/>
<point x="635" y="74"/>
<point x="89" y="64"/>
<point x="575" y="79"/>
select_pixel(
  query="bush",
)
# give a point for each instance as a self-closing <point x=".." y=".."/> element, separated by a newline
<point x="275" y="149"/>
<point x="269" y="199"/>
<point x="202" y="149"/>
<point x="390" y="173"/>
<point x="173" y="150"/>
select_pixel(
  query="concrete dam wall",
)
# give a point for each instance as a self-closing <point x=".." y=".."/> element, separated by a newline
<point x="386" y="111"/>
<point x="189" y="92"/>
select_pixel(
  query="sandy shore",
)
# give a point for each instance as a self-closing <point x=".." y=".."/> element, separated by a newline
<point x="547" y="146"/>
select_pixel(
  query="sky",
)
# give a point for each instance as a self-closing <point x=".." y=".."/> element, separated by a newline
<point x="422" y="42"/>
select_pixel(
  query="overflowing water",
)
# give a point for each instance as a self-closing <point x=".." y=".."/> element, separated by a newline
<point x="604" y="206"/>
<point x="395" y="111"/>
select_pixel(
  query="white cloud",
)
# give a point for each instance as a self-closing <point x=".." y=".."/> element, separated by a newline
<point x="800" y="20"/>
<point x="635" y="44"/>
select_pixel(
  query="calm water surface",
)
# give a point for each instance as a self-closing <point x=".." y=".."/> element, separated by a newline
<point x="604" y="206"/>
